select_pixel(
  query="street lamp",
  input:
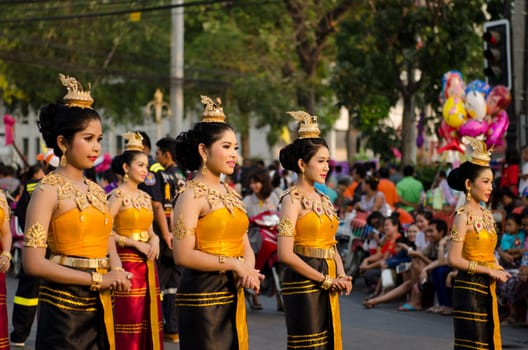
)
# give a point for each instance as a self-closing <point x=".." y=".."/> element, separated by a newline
<point x="158" y="109"/>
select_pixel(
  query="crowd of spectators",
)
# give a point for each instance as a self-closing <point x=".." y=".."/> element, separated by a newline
<point x="406" y="243"/>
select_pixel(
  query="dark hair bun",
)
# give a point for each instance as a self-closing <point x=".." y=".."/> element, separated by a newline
<point x="186" y="145"/>
<point x="46" y="123"/>
<point x="117" y="165"/>
<point x="454" y="180"/>
<point x="466" y="171"/>
<point x="287" y="158"/>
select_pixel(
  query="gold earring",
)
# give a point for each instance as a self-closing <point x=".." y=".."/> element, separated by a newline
<point x="204" y="167"/>
<point x="468" y="195"/>
<point x="125" y="178"/>
<point x="63" y="160"/>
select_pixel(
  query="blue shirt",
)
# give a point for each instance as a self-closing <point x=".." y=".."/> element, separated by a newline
<point x="509" y="241"/>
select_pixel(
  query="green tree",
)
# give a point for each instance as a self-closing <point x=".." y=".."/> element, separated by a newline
<point x="391" y="38"/>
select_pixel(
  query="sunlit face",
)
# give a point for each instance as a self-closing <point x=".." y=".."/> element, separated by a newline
<point x="421" y="222"/>
<point x="511" y="227"/>
<point x="432" y="233"/>
<point x="222" y="156"/>
<point x="255" y="186"/>
<point x="482" y="187"/>
<point x="412" y="231"/>
<point x="85" y="146"/>
<point x="138" y="169"/>
<point x="318" y="166"/>
<point x="162" y="157"/>
<point x="389" y="228"/>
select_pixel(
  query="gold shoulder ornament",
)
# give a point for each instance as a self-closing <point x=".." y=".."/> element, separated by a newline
<point x="181" y="231"/>
<point x="35" y="236"/>
<point x="454" y="236"/>
<point x="285" y="228"/>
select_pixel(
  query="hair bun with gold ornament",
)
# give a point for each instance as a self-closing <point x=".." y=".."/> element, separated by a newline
<point x="308" y="128"/>
<point x="477" y="151"/>
<point x="76" y="96"/>
<point x="212" y="113"/>
<point x="134" y="141"/>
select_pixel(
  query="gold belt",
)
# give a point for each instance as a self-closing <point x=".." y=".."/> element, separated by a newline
<point x="80" y="263"/>
<point x="321" y="253"/>
<point x="142" y="236"/>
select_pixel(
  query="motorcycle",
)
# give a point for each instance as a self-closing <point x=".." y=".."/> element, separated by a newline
<point x="263" y="239"/>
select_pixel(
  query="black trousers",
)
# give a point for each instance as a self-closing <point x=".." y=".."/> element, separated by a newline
<point x="24" y="307"/>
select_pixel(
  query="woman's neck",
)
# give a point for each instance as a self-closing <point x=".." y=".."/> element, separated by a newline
<point x="306" y="186"/>
<point x="130" y="186"/>
<point x="473" y="204"/>
<point x="71" y="173"/>
<point x="209" y="178"/>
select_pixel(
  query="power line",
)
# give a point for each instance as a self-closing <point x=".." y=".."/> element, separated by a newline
<point x="129" y="11"/>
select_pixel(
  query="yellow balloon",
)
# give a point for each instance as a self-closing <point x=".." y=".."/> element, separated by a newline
<point x="454" y="112"/>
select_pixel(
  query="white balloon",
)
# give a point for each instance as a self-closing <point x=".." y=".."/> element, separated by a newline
<point x="476" y="105"/>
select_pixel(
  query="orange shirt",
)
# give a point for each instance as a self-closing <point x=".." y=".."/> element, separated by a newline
<point x="349" y="192"/>
<point x="389" y="190"/>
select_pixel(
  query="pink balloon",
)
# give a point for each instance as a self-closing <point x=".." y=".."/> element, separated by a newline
<point x="497" y="128"/>
<point x="473" y="128"/>
<point x="450" y="135"/>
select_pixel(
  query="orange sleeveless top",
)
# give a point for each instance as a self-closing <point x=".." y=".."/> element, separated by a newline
<point x="84" y="230"/>
<point x="221" y="231"/>
<point x="481" y="238"/>
<point x="135" y="218"/>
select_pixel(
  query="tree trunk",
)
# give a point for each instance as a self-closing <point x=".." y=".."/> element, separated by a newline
<point x="408" y="134"/>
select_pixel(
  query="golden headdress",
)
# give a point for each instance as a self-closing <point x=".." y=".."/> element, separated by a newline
<point x="477" y="151"/>
<point x="134" y="141"/>
<point x="76" y="96"/>
<point x="308" y="128"/>
<point x="212" y="113"/>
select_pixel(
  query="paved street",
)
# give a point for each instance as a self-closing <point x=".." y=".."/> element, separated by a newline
<point x="380" y="328"/>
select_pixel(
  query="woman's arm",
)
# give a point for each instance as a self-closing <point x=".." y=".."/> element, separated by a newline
<point x="186" y="214"/>
<point x="454" y="256"/>
<point x="38" y="218"/>
<point x="5" y="232"/>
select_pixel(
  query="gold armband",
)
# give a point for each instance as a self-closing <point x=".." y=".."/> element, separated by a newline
<point x="121" y="241"/>
<point x="472" y="267"/>
<point x="7" y="254"/>
<point x="181" y="231"/>
<point x="327" y="283"/>
<point x="453" y="235"/>
<point x="97" y="280"/>
<point x="35" y="236"/>
<point x="285" y="228"/>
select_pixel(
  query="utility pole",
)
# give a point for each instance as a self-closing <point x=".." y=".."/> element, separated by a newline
<point x="176" y="72"/>
<point x="520" y="69"/>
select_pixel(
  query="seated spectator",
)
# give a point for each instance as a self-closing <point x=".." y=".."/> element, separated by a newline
<point x="510" y="171"/>
<point x="440" y="195"/>
<point x="391" y="230"/>
<point x="512" y="242"/>
<point x="436" y="230"/>
<point x="353" y="192"/>
<point x="507" y="201"/>
<point x="422" y="220"/>
<point x="387" y="187"/>
<point x="372" y="199"/>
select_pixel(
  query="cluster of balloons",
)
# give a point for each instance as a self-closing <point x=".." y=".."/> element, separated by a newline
<point x="475" y="110"/>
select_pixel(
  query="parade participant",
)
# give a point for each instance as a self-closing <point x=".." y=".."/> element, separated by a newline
<point x="315" y="275"/>
<point x="137" y="315"/>
<point x="211" y="242"/>
<point x="162" y="183"/>
<point x="69" y="215"/>
<point x="26" y="297"/>
<point x="5" y="260"/>
<point x="473" y="240"/>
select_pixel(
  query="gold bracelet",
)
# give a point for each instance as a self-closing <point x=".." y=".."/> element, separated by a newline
<point x="121" y="241"/>
<point x="97" y="280"/>
<point x="7" y="254"/>
<point x="117" y="268"/>
<point x="327" y="283"/>
<point x="341" y="276"/>
<point x="472" y="268"/>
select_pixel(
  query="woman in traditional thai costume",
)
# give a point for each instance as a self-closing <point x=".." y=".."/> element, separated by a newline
<point x="472" y="243"/>
<point x="315" y="275"/>
<point x="137" y="314"/>
<point x="69" y="215"/>
<point x="5" y="260"/>
<point x="211" y="242"/>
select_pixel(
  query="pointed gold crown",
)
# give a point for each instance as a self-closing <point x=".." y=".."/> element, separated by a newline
<point x="76" y="96"/>
<point x="478" y="152"/>
<point x="308" y="128"/>
<point x="212" y="113"/>
<point x="134" y="141"/>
